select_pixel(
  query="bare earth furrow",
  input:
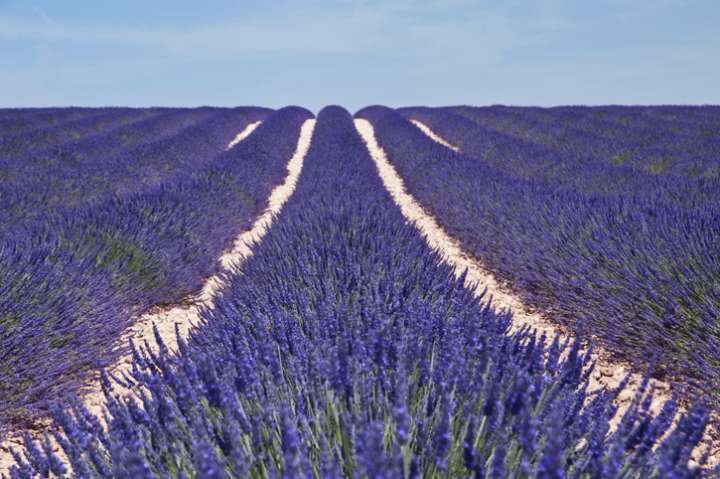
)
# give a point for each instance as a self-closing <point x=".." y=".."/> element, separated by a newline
<point x="433" y="136"/>
<point x="243" y="134"/>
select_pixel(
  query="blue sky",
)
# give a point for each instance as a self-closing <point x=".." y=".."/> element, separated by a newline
<point x="355" y="53"/>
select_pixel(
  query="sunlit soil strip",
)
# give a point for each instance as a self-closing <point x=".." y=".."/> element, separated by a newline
<point x="432" y="135"/>
<point x="607" y="373"/>
<point x="243" y="134"/>
<point x="185" y="316"/>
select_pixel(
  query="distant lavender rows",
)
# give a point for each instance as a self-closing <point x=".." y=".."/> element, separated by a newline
<point x="682" y="140"/>
<point x="620" y="250"/>
<point x="108" y="218"/>
<point x="346" y="348"/>
<point x="561" y="155"/>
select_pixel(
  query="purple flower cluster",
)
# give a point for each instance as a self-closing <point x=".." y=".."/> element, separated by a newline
<point x="346" y="348"/>
<point x="637" y="269"/>
<point x="106" y="248"/>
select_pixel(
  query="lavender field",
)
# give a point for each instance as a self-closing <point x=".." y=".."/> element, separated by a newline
<point x="445" y="292"/>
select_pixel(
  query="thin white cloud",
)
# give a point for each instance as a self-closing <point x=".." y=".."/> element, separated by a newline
<point x="405" y="27"/>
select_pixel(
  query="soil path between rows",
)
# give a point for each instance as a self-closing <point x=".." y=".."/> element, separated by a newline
<point x="187" y="314"/>
<point x="434" y="136"/>
<point x="243" y="134"/>
<point x="607" y="373"/>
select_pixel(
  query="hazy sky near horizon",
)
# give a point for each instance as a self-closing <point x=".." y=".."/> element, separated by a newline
<point x="355" y="53"/>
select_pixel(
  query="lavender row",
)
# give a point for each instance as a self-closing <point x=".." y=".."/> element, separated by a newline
<point x="636" y="124"/>
<point x="686" y="113"/>
<point x="14" y="121"/>
<point x="12" y="146"/>
<point x="345" y="348"/>
<point x="685" y="120"/>
<point x="152" y="130"/>
<point x="648" y="147"/>
<point x="84" y="152"/>
<point x="70" y="285"/>
<point x="555" y="168"/>
<point x="34" y="176"/>
<point x="50" y="113"/>
<point x="644" y="280"/>
<point x="119" y="162"/>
